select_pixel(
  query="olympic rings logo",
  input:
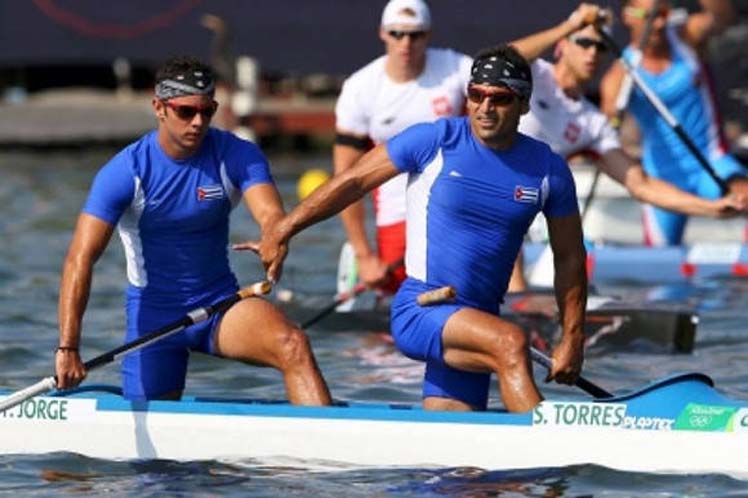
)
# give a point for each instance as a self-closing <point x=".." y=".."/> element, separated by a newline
<point x="700" y="421"/>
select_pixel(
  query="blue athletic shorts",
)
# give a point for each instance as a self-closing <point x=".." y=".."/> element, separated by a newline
<point x="664" y="227"/>
<point x="161" y="368"/>
<point x="417" y="331"/>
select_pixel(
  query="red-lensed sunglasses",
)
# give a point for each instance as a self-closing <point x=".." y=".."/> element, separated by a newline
<point x="497" y="99"/>
<point x="187" y="112"/>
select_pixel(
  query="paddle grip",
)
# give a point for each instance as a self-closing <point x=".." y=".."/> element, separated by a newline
<point x="582" y="383"/>
<point x="18" y="397"/>
<point x="437" y="296"/>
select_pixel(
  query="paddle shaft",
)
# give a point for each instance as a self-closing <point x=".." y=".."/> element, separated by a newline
<point x="195" y="316"/>
<point x="345" y="296"/>
<point x="622" y="100"/>
<point x="590" y="194"/>
<point x="624" y="93"/>
<point x="664" y="112"/>
<point x="582" y="383"/>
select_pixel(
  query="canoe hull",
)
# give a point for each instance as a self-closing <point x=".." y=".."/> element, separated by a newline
<point x="656" y="431"/>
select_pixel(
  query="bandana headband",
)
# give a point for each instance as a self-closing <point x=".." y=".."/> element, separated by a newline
<point x="495" y="71"/>
<point x="190" y="83"/>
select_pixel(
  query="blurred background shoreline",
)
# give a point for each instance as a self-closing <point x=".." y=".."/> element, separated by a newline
<point x="78" y="73"/>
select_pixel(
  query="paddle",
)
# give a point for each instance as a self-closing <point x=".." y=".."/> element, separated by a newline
<point x="582" y="383"/>
<point x="590" y="195"/>
<point x="195" y="316"/>
<point x="663" y="111"/>
<point x="448" y="293"/>
<point x="345" y="296"/>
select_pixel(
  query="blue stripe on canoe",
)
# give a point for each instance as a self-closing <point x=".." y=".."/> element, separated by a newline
<point x="349" y="411"/>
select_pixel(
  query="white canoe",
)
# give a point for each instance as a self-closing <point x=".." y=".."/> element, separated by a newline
<point x="677" y="425"/>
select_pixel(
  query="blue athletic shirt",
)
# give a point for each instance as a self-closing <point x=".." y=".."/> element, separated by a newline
<point x="469" y="206"/>
<point x="173" y="215"/>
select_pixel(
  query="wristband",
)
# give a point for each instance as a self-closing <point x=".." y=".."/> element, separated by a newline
<point x="65" y="348"/>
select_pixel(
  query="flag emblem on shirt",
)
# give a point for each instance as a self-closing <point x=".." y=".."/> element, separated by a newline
<point x="528" y="195"/>
<point x="209" y="192"/>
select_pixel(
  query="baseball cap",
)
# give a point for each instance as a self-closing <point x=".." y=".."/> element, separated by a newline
<point x="414" y="12"/>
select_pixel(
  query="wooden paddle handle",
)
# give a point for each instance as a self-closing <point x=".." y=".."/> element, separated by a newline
<point x="437" y="296"/>
<point x="257" y="289"/>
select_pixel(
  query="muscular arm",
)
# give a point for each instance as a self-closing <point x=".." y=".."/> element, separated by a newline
<point x="90" y="238"/>
<point x="622" y="168"/>
<point x="344" y="188"/>
<point x="570" y="284"/>
<point x="344" y="157"/>
<point x="265" y="204"/>
<point x="533" y="46"/>
<point x="610" y="85"/>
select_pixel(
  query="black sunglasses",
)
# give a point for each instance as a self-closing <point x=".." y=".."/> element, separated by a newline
<point x="399" y="35"/>
<point x="586" y="43"/>
<point x="188" y="112"/>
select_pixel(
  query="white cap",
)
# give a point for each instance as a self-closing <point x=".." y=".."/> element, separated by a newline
<point x="414" y="12"/>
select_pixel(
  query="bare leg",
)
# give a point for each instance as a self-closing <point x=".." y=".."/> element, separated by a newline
<point x="446" y="404"/>
<point x="256" y="332"/>
<point x="480" y="342"/>
<point x="517" y="282"/>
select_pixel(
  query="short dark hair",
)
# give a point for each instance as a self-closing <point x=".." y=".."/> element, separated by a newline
<point x="182" y="64"/>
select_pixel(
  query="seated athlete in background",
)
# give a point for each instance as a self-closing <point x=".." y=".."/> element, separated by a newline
<point x="561" y="116"/>
<point x="671" y="67"/>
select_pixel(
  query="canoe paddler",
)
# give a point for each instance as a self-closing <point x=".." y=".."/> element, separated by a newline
<point x="170" y="195"/>
<point x="411" y="83"/>
<point x="474" y="186"/>
<point x="565" y="119"/>
<point x="672" y="67"/>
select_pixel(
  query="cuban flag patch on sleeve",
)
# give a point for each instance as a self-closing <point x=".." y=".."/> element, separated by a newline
<point x="528" y="195"/>
<point x="210" y="192"/>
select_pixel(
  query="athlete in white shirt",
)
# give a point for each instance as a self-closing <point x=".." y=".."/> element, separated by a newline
<point x="561" y="116"/>
<point x="410" y="84"/>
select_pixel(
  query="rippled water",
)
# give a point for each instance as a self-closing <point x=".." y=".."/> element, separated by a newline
<point x="41" y="195"/>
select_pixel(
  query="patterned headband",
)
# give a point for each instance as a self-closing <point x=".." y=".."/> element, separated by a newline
<point x="189" y="83"/>
<point x="495" y="71"/>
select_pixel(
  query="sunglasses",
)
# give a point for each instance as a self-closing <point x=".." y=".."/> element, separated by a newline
<point x="188" y="112"/>
<point x="496" y="99"/>
<point x="642" y="13"/>
<point x="586" y="43"/>
<point x="414" y="35"/>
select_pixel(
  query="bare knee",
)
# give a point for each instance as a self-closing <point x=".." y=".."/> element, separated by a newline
<point x="293" y="349"/>
<point x="510" y="352"/>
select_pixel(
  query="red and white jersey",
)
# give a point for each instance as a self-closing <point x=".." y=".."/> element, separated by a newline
<point x="371" y="104"/>
<point x="568" y="125"/>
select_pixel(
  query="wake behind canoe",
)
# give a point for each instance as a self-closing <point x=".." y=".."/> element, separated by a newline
<point x="677" y="425"/>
